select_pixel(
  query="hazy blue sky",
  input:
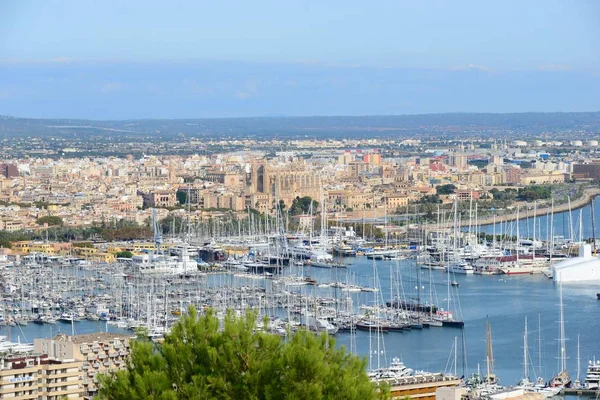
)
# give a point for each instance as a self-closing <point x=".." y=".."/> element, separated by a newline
<point x="119" y="59"/>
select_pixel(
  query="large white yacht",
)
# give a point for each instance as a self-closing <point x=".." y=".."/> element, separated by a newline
<point x="460" y="267"/>
<point x="164" y="264"/>
<point x="592" y="378"/>
<point x="159" y="263"/>
<point x="397" y="369"/>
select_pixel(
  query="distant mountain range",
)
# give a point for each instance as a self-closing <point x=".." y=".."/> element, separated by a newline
<point x="453" y="124"/>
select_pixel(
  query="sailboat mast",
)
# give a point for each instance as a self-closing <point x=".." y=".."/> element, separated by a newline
<point x="525" y="355"/>
<point x="455" y="355"/>
<point x="563" y="350"/>
<point x="490" y="352"/>
<point x="593" y="228"/>
<point x="534" y="213"/>
<point x="578" y="361"/>
<point x="518" y="236"/>
<point x="540" y="343"/>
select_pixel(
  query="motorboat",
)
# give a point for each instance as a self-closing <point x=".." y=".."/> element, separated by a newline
<point x="460" y="267"/>
<point x="397" y="369"/>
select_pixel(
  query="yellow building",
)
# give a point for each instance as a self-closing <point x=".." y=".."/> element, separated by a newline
<point x="21" y="247"/>
<point x="103" y="257"/>
<point x="40" y="377"/>
<point x="46" y="248"/>
<point x="85" y="252"/>
<point x="393" y="201"/>
<point x="543" y="178"/>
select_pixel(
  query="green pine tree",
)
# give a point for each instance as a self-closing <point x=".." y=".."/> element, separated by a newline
<point x="198" y="360"/>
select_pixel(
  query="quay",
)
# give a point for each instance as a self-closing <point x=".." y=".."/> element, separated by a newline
<point x="420" y="386"/>
<point x="580" y="392"/>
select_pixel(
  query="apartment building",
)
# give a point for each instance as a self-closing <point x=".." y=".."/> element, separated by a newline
<point x="99" y="353"/>
<point x="9" y="170"/>
<point x="40" y="377"/>
<point x="159" y="198"/>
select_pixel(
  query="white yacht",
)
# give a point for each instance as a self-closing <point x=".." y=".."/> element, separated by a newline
<point x="592" y="378"/>
<point x="460" y="267"/>
<point x="397" y="369"/>
<point x="163" y="264"/>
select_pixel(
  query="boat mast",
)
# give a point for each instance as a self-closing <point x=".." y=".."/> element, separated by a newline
<point x="551" y="229"/>
<point x="489" y="352"/>
<point x="518" y="237"/>
<point x="563" y="345"/>
<point x="525" y="355"/>
<point x="571" y="233"/>
<point x="578" y="381"/>
<point x="455" y="355"/>
<point x="540" y="344"/>
<point x="533" y="245"/>
<point x="580" y="226"/>
<point x="593" y="229"/>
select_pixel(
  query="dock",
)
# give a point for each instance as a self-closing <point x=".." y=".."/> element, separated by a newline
<point x="580" y="392"/>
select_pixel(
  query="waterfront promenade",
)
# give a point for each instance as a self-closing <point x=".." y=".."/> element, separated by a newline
<point x="588" y="194"/>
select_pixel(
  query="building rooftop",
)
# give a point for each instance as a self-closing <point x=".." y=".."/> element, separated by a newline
<point x="91" y="337"/>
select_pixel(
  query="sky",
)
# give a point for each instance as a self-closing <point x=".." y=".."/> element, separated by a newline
<point x="183" y="59"/>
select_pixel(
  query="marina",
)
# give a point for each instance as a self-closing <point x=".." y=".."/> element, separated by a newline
<point x="420" y="309"/>
<point x="502" y="300"/>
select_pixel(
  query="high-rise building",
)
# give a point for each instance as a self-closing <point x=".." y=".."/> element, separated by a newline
<point x="458" y="161"/>
<point x="9" y="170"/>
<point x="513" y="175"/>
<point x="372" y="158"/>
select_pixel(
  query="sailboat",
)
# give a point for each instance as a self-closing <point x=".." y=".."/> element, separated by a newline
<point x="525" y="382"/>
<point x="539" y="386"/>
<point x="562" y="379"/>
<point x="490" y="378"/>
<point x="577" y="383"/>
<point x="489" y="384"/>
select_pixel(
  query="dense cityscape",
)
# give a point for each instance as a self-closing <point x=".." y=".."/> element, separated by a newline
<point x="316" y="200"/>
<point x="240" y="223"/>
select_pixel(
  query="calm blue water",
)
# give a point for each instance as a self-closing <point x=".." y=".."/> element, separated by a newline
<point x="564" y="223"/>
<point x="505" y="302"/>
<point x="32" y="331"/>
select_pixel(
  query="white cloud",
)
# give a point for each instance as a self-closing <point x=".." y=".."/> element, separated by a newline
<point x="479" y="67"/>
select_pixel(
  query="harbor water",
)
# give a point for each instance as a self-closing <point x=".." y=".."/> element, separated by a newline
<point x="504" y="301"/>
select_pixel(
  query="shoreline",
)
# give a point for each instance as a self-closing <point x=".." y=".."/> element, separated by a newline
<point x="588" y="195"/>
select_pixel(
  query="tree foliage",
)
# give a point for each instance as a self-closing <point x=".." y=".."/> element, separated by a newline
<point x="198" y="360"/>
<point x="124" y="254"/>
<point x="301" y="205"/>
<point x="531" y="193"/>
<point x="430" y="199"/>
<point x="445" y="189"/>
<point x="51" y="220"/>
